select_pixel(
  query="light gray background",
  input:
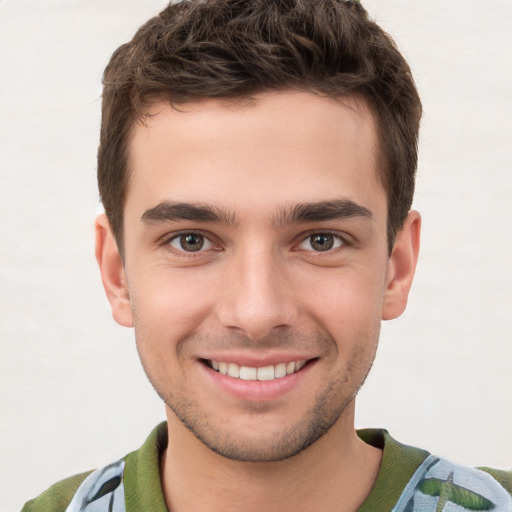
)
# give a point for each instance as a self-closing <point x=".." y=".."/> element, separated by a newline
<point x="73" y="395"/>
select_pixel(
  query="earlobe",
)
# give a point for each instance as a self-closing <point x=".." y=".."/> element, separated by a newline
<point x="401" y="267"/>
<point x="112" y="272"/>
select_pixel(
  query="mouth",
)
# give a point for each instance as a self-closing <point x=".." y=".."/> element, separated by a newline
<point x="263" y="373"/>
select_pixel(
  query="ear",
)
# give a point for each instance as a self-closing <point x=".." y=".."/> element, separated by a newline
<point x="401" y="267"/>
<point x="112" y="272"/>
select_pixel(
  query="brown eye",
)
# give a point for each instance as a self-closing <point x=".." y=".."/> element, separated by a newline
<point x="321" y="242"/>
<point x="190" y="242"/>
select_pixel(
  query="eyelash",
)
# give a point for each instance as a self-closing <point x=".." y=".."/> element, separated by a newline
<point x="339" y="241"/>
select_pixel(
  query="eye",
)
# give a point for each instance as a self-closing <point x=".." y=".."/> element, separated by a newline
<point x="190" y="242"/>
<point x="321" y="242"/>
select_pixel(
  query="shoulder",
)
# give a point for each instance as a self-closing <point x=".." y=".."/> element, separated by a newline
<point x="503" y="477"/>
<point x="440" y="481"/>
<point x="411" y="479"/>
<point x="57" y="497"/>
<point x="102" y="488"/>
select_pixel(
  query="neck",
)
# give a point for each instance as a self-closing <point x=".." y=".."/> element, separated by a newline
<point x="345" y="469"/>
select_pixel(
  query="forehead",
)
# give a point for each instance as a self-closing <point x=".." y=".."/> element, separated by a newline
<point x="277" y="149"/>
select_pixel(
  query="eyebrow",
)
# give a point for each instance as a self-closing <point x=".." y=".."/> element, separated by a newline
<point x="168" y="211"/>
<point x="324" y="210"/>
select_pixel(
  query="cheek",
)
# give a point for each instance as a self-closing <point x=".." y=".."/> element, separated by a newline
<point x="169" y="303"/>
<point x="347" y="297"/>
<point x="348" y="309"/>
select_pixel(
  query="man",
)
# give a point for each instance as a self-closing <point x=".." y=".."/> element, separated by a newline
<point x="256" y="166"/>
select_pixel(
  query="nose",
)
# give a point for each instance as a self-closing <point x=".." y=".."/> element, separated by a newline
<point x="257" y="295"/>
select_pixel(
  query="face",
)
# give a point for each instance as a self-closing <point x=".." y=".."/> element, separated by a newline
<point x="256" y="267"/>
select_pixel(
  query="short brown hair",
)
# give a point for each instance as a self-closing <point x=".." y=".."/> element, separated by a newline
<point x="237" y="48"/>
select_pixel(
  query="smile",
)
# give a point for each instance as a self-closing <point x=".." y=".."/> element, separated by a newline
<point x="263" y="373"/>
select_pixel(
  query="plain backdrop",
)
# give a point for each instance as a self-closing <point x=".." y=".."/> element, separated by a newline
<point x="73" y="395"/>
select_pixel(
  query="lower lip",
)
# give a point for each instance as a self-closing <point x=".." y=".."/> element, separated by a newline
<point x="256" y="390"/>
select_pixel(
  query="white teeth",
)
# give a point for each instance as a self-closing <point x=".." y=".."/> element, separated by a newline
<point x="247" y="373"/>
<point x="280" y="370"/>
<point x="299" y="365"/>
<point x="263" y="373"/>
<point x="234" y="370"/>
<point x="266" y="373"/>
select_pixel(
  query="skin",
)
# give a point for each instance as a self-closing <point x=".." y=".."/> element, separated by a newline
<point x="283" y="194"/>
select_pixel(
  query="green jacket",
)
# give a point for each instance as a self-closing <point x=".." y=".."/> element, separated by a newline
<point x="409" y="480"/>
